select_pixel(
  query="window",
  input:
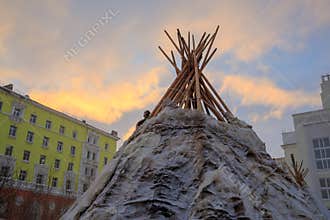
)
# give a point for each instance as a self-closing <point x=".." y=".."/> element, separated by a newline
<point x="105" y="161"/>
<point x="106" y="146"/>
<point x="22" y="175"/>
<point x="45" y="141"/>
<point x="68" y="185"/>
<point x="70" y="166"/>
<point x="57" y="164"/>
<point x="322" y="182"/>
<point x="9" y="151"/>
<point x="42" y="159"/>
<point x="86" y="171"/>
<point x="29" y="136"/>
<point x="88" y="154"/>
<point x="59" y="146"/>
<point x="5" y="171"/>
<point x="74" y="134"/>
<point x="33" y="119"/>
<point x="12" y="131"/>
<point x="94" y="156"/>
<point x="325" y="188"/>
<point x="319" y="164"/>
<point x="326" y="142"/>
<point x="0" y="106"/>
<point x="17" y="112"/>
<point x="62" y="129"/>
<point x="39" y="179"/>
<point x="317" y="154"/>
<point x="85" y="187"/>
<point x="48" y="124"/>
<point x="54" y="182"/>
<point x="92" y="172"/>
<point x="92" y="139"/>
<point x="26" y="155"/>
<point x="73" y="150"/>
<point x="322" y="152"/>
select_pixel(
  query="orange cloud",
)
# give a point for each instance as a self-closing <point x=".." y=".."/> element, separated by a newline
<point x="254" y="91"/>
<point x="105" y="103"/>
<point x="80" y="87"/>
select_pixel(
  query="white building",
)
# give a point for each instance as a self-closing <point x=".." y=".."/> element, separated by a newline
<point x="309" y="142"/>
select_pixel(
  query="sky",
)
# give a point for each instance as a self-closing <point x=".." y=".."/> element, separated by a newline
<point x="99" y="61"/>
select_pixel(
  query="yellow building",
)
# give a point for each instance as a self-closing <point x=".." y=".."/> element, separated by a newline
<point x="44" y="148"/>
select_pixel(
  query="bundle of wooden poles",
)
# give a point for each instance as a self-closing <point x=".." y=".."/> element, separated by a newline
<point x="191" y="89"/>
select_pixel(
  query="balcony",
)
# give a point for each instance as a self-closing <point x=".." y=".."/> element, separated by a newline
<point x="42" y="168"/>
<point x="17" y="112"/>
<point x="7" y="161"/>
<point x="16" y="118"/>
<point x="289" y="138"/>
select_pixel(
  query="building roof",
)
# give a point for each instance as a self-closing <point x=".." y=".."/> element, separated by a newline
<point x="8" y="89"/>
<point x="310" y="112"/>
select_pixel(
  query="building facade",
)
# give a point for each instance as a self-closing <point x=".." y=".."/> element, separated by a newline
<point x="47" y="149"/>
<point x="310" y="143"/>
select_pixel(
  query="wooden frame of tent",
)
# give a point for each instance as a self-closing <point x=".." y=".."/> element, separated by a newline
<point x="191" y="89"/>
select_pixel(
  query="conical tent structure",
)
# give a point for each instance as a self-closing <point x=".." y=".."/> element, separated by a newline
<point x="191" y="89"/>
<point x="184" y="164"/>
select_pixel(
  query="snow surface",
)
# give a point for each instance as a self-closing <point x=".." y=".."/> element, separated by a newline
<point x="184" y="164"/>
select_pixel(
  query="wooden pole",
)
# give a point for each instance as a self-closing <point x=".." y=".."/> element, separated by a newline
<point x="213" y="109"/>
<point x="212" y="41"/>
<point x="168" y="58"/>
<point x="174" y="62"/>
<point x="191" y="89"/>
<point x="216" y="94"/>
<point x="211" y="99"/>
<point x="197" y="86"/>
<point x="169" y="36"/>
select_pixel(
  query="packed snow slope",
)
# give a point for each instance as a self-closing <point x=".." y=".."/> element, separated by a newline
<point x="184" y="164"/>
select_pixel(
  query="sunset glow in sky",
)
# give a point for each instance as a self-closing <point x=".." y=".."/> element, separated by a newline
<point x="271" y="55"/>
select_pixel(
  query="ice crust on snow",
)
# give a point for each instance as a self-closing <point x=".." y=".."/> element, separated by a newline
<point x="184" y="164"/>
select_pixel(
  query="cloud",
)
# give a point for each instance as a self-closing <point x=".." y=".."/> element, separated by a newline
<point x="103" y="103"/>
<point x="4" y="32"/>
<point x="108" y="77"/>
<point x="250" y="29"/>
<point x="253" y="91"/>
<point x="100" y="83"/>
